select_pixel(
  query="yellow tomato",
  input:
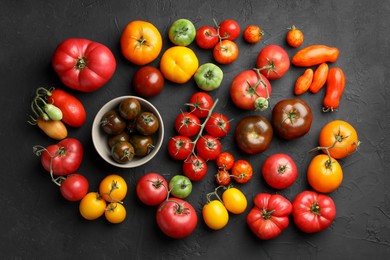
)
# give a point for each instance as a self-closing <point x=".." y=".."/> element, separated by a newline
<point x="92" y="206"/>
<point x="141" y="42"/>
<point x="215" y="215"/>
<point x="115" y="213"/>
<point x="178" y="64"/>
<point x="234" y="200"/>
<point x="113" y="188"/>
<point x="324" y="174"/>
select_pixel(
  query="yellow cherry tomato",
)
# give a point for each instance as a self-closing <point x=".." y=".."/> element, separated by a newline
<point x="215" y="215"/>
<point x="115" y="213"/>
<point x="178" y="64"/>
<point x="113" y="188"/>
<point x="234" y="200"/>
<point x="92" y="206"/>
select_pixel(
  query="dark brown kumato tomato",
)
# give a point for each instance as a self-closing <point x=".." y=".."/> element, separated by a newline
<point x="130" y="108"/>
<point x="253" y="134"/>
<point x="122" y="152"/>
<point x="112" y="123"/>
<point x="147" y="123"/>
<point x="291" y="118"/>
<point x="143" y="144"/>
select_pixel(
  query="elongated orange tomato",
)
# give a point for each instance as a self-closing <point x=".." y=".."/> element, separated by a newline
<point x="141" y="42"/>
<point x="303" y="83"/>
<point x="319" y="77"/>
<point x="314" y="55"/>
<point x="334" y="89"/>
<point x="55" y="129"/>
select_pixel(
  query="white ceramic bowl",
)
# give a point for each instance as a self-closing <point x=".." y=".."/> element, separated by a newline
<point x="99" y="137"/>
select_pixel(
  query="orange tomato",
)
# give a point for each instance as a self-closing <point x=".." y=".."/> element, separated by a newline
<point x="115" y="213"/>
<point x="319" y="77"/>
<point x="178" y="64"/>
<point x="315" y="54"/>
<point x="303" y="83"/>
<point x="141" y="42"/>
<point x="113" y="188"/>
<point x="92" y="206"/>
<point x="335" y="84"/>
<point x="225" y="52"/>
<point x="253" y="34"/>
<point x="294" y="37"/>
<point x="324" y="174"/>
<point x="341" y="138"/>
<point x="55" y="129"/>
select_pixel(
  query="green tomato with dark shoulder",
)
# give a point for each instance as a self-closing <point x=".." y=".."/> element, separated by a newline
<point x="182" y="32"/>
<point x="180" y="186"/>
<point x="208" y="76"/>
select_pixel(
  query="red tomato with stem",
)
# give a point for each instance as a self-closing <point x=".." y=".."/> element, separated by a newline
<point x="225" y="52"/>
<point x="253" y="34"/>
<point x="247" y="87"/>
<point x="279" y="171"/>
<point x="180" y="147"/>
<point x="218" y="125"/>
<point x="200" y="104"/>
<point x="222" y="177"/>
<point x="148" y="81"/>
<point x="152" y="189"/>
<point x="63" y="158"/>
<point x="206" y="37"/>
<point x="269" y="216"/>
<point x="273" y="61"/>
<point x="294" y="37"/>
<point x="208" y="147"/>
<point x="242" y="171"/>
<point x="73" y="111"/>
<point x="83" y="65"/>
<point x="176" y="218"/>
<point x="313" y="212"/>
<point x="195" y="168"/>
<point x="74" y="187"/>
<point x="187" y="124"/>
<point x="225" y="160"/>
<point x="229" y="30"/>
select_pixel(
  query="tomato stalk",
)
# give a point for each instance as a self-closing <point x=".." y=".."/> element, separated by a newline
<point x="38" y="150"/>
<point x="261" y="103"/>
<point x="315" y="208"/>
<point x="81" y="63"/>
<point x="215" y="193"/>
<point x="267" y="214"/>
<point x="41" y="108"/>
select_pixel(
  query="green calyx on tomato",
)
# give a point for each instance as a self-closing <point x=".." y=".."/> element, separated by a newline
<point x="182" y="32"/>
<point x="208" y="77"/>
<point x="180" y="186"/>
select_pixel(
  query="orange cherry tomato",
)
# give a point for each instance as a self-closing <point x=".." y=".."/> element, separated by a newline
<point x="225" y="52"/>
<point x="92" y="206"/>
<point x="334" y="89"/>
<point x="253" y="34"/>
<point x="324" y="173"/>
<point x="141" y="42"/>
<point x="314" y="55"/>
<point x="341" y="137"/>
<point x="294" y="37"/>
<point x="55" y="129"/>
<point x="115" y="213"/>
<point x="303" y="83"/>
<point x="242" y="171"/>
<point x="319" y="77"/>
<point x="113" y="188"/>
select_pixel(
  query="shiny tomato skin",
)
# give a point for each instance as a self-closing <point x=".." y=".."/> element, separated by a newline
<point x="180" y="147"/>
<point x="215" y="215"/>
<point x="208" y="147"/>
<point x="341" y="138"/>
<point x="234" y="200"/>
<point x="176" y="218"/>
<point x="200" y="104"/>
<point x="187" y="124"/>
<point x="148" y="81"/>
<point x="113" y="188"/>
<point x="74" y="187"/>
<point x="206" y="37"/>
<point x="92" y="206"/>
<point x="225" y="52"/>
<point x="218" y="125"/>
<point x="269" y="216"/>
<point x="242" y="171"/>
<point x="229" y="30"/>
<point x="313" y="212"/>
<point x="222" y="177"/>
<point x="225" y="160"/>
<point x="54" y="129"/>
<point x="244" y="89"/>
<point x="66" y="157"/>
<point x="152" y="189"/>
<point x="291" y="118"/>
<point x="279" y="171"/>
<point x="195" y="168"/>
<point x="253" y="134"/>
<point x="73" y="111"/>
<point x="276" y="61"/>
<point x="83" y="65"/>
<point x="253" y="34"/>
<point x="294" y="37"/>
<point x="115" y="213"/>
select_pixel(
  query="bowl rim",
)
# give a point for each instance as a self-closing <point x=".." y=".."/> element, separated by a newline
<point x="96" y="132"/>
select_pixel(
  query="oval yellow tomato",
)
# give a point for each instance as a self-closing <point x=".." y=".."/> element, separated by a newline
<point x="178" y="64"/>
<point x="234" y="200"/>
<point x="115" y="213"/>
<point x="340" y="137"/>
<point x="215" y="215"/>
<point x="324" y="174"/>
<point x="141" y="42"/>
<point x="113" y="188"/>
<point x="92" y="206"/>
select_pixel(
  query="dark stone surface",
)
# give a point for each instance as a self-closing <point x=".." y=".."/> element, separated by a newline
<point x="36" y="222"/>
